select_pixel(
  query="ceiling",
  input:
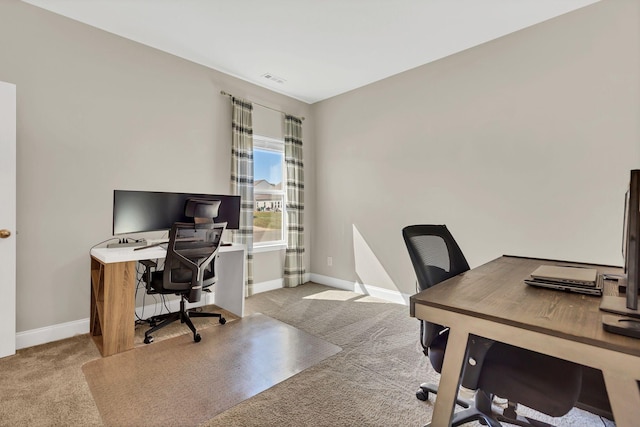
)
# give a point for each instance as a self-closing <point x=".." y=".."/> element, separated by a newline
<point x="315" y="49"/>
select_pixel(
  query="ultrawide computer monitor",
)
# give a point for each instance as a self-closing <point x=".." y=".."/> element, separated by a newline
<point x="143" y="211"/>
<point x="628" y="305"/>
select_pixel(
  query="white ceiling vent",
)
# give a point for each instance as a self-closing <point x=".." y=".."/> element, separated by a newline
<point x="273" y="78"/>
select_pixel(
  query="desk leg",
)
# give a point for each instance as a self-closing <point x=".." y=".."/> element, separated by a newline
<point x="112" y="306"/>
<point x="229" y="289"/>
<point x="450" y="378"/>
<point x="624" y="396"/>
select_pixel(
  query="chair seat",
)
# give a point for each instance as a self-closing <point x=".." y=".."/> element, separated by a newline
<point x="180" y="275"/>
<point x="157" y="283"/>
<point x="524" y="376"/>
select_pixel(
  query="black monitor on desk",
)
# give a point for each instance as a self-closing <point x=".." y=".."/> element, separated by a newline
<point x="628" y="305"/>
<point x="144" y="211"/>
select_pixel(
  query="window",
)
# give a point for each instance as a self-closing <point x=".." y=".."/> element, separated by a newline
<point x="268" y="191"/>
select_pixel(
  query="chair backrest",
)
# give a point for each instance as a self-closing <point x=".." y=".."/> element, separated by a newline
<point x="201" y="210"/>
<point x="435" y="256"/>
<point x="434" y="253"/>
<point x="191" y="253"/>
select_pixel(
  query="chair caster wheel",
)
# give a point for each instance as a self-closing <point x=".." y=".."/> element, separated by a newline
<point x="197" y="337"/>
<point x="422" y="395"/>
<point x="510" y="412"/>
<point x="148" y="340"/>
<point x="223" y="320"/>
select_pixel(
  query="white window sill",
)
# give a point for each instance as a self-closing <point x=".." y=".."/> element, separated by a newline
<point x="269" y="247"/>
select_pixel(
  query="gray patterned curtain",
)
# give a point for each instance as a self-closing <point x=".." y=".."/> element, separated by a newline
<point x="294" y="270"/>
<point x="242" y="178"/>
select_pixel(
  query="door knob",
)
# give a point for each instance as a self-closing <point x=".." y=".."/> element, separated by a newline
<point x="4" y="233"/>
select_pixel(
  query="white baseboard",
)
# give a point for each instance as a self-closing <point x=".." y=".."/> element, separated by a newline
<point x="51" y="333"/>
<point x="361" y="288"/>
<point x="345" y="285"/>
<point x="267" y="286"/>
<point x="61" y="331"/>
<point x="387" y="294"/>
<point x="270" y="285"/>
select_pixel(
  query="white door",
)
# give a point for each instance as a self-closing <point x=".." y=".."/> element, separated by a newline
<point x="7" y="219"/>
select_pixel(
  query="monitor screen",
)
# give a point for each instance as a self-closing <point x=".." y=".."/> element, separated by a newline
<point x="632" y="226"/>
<point x="141" y="211"/>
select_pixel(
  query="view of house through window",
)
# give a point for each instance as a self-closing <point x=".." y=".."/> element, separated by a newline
<point x="268" y="191"/>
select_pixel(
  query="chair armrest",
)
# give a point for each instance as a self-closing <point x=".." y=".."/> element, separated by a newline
<point x="148" y="263"/>
<point x="429" y="332"/>
<point x="477" y="349"/>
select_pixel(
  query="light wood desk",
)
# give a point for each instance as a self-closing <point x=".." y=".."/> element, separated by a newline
<point x="492" y="301"/>
<point x="113" y="284"/>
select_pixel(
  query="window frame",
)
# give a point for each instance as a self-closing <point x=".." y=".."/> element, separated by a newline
<point x="275" y="145"/>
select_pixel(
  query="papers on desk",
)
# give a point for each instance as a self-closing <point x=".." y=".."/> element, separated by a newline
<point x="570" y="279"/>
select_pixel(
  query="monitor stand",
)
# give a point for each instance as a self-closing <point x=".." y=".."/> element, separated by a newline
<point x="628" y="325"/>
<point x="618" y="305"/>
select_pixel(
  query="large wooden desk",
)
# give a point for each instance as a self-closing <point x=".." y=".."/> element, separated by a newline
<point x="492" y="301"/>
<point x="113" y="284"/>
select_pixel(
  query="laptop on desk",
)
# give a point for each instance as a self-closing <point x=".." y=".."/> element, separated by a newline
<point x="570" y="275"/>
<point x="571" y="279"/>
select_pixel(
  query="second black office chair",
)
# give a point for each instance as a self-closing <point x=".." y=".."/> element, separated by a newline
<point x="538" y="381"/>
<point x="189" y="269"/>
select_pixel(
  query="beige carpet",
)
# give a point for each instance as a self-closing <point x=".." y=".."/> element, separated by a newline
<point x="180" y="382"/>
<point x="371" y="382"/>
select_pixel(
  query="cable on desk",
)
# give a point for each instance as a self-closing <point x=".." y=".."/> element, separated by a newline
<point x="104" y="241"/>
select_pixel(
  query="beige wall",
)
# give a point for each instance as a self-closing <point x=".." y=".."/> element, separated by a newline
<point x="521" y="146"/>
<point x="97" y="112"/>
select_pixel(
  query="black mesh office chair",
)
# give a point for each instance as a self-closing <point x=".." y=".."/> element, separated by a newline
<point x="189" y="267"/>
<point x="544" y="383"/>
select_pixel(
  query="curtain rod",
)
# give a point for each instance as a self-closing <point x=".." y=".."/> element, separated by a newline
<point x="263" y="106"/>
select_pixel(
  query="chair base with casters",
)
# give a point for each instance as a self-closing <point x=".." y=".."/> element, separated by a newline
<point x="483" y="411"/>
<point x="426" y="388"/>
<point x="184" y="316"/>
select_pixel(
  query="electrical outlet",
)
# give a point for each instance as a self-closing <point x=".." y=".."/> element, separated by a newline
<point x="329" y="261"/>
